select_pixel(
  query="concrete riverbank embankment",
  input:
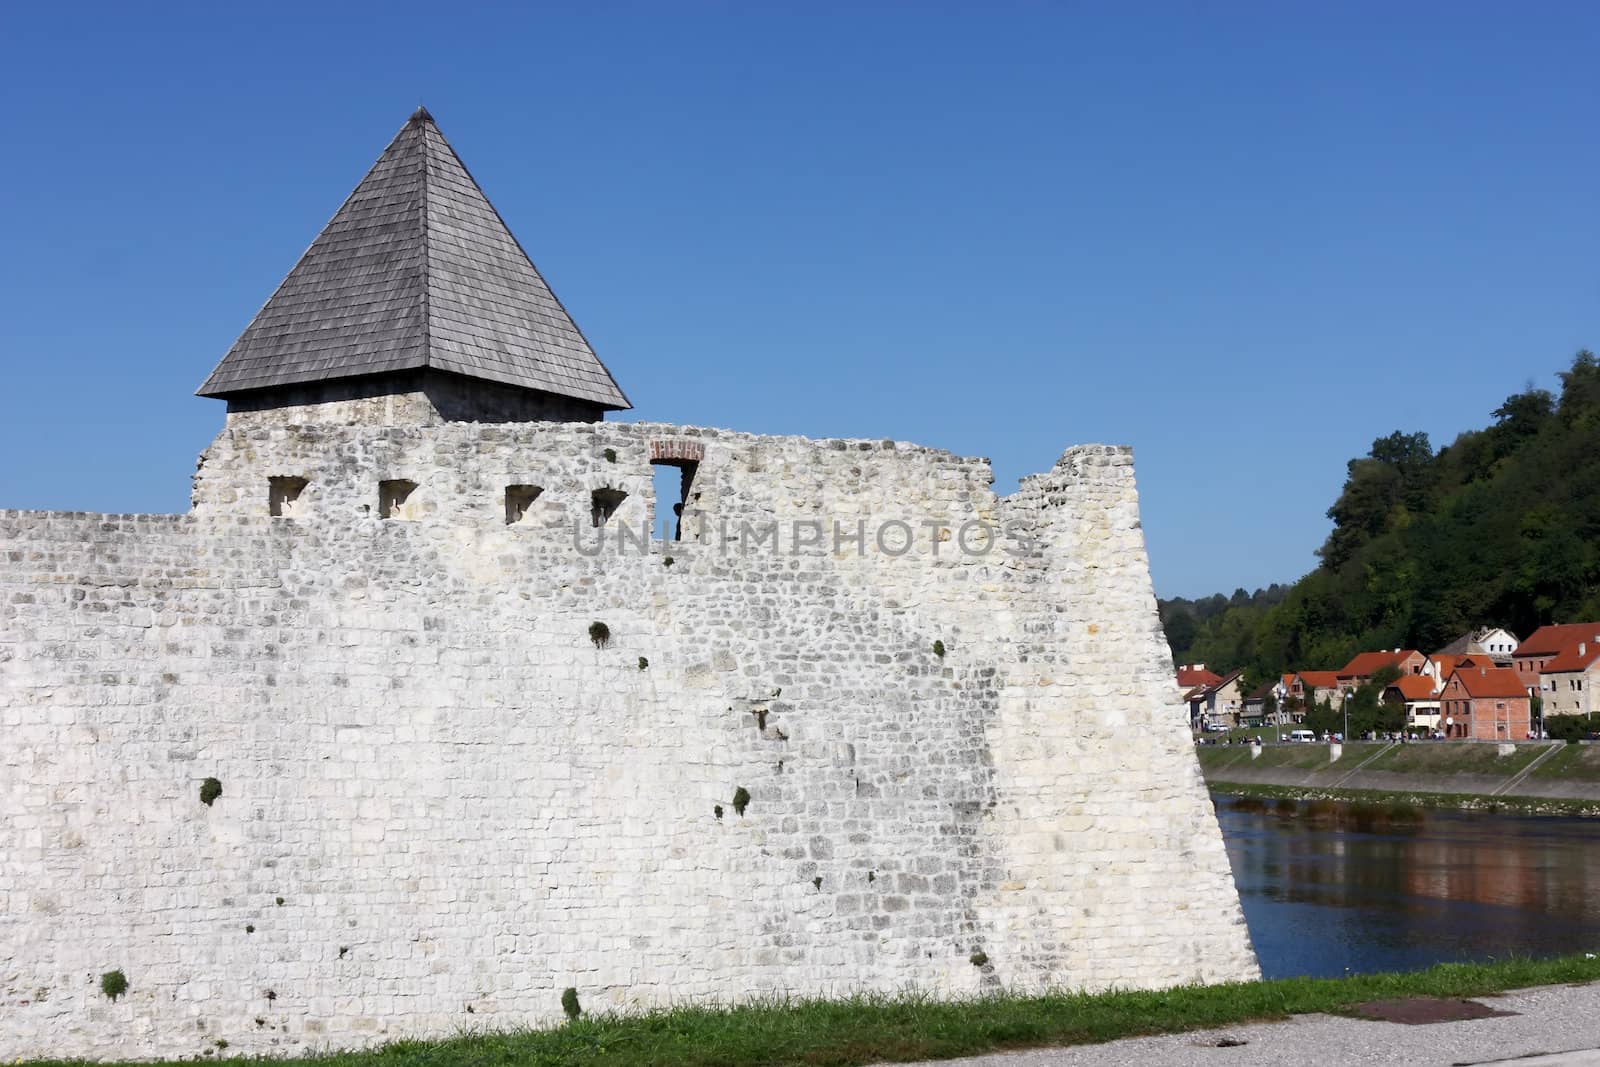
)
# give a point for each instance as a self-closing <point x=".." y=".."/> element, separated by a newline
<point x="1537" y="769"/>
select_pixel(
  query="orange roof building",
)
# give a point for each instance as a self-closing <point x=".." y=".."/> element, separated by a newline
<point x="1550" y="640"/>
<point x="1191" y="675"/>
<point x="1535" y="655"/>
<point x="1366" y="664"/>
<point x="1569" y="681"/>
<point x="1486" y="704"/>
<point x="1490" y="682"/>
<point x="1579" y="657"/>
<point x="1412" y="687"/>
<point x="1420" y="695"/>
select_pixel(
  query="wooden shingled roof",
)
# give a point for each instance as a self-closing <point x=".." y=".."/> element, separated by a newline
<point x="415" y="270"/>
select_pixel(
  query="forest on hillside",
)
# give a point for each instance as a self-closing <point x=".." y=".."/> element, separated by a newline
<point x="1500" y="527"/>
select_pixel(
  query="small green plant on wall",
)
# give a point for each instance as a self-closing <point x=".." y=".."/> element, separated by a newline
<point x="210" y="790"/>
<point x="600" y="634"/>
<point x="938" y="649"/>
<point x="569" y="1003"/>
<point x="741" y="800"/>
<point x="113" y="984"/>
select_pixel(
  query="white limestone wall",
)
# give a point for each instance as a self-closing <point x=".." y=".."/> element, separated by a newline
<point x="464" y="806"/>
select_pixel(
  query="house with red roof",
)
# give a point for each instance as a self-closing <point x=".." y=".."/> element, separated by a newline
<point x="1419" y="695"/>
<point x="1567" y="681"/>
<point x="1216" y="706"/>
<point x="1485" y="704"/>
<point x="1254" y="709"/>
<point x="1366" y="664"/>
<point x="1193" y="675"/>
<point x="1548" y="642"/>
<point x="1441" y="665"/>
<point x="1309" y="687"/>
<point x="1487" y="642"/>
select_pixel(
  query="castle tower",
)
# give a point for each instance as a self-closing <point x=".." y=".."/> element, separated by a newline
<point x="414" y="305"/>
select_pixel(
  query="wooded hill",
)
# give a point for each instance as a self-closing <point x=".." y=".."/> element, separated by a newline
<point x="1501" y="527"/>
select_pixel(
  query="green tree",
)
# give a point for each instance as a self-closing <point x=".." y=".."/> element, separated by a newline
<point x="1366" y="709"/>
<point x="1321" y="718"/>
<point x="1521" y="418"/>
<point x="1580" y="386"/>
<point x="1181" y="632"/>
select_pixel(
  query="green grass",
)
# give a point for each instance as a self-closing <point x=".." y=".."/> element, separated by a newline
<point x="1214" y="758"/>
<point x="1245" y="733"/>
<point x="1574" y="762"/>
<point x="1454" y="757"/>
<point x="874" y="1029"/>
<point x="1414" y="798"/>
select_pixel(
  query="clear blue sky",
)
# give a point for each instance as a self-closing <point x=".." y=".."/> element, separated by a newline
<point x="1244" y="238"/>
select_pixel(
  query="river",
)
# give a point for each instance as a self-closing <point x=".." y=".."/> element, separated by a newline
<point x="1331" y="888"/>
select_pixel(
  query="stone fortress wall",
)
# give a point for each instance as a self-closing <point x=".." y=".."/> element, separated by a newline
<point x="443" y="802"/>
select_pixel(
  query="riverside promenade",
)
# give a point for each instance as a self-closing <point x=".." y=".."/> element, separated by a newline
<point x="1523" y="773"/>
<point x="1540" y="1027"/>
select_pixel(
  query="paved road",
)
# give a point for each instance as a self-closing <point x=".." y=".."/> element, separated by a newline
<point x="1552" y="1025"/>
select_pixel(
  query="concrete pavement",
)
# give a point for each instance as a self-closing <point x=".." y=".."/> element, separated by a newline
<point x="1549" y="1025"/>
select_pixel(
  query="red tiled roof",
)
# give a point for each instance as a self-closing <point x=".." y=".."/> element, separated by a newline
<point x="1573" y="660"/>
<point x="1491" y="682"/>
<point x="1191" y="676"/>
<point x="1320" y="679"/>
<point x="1550" y="640"/>
<point x="1448" y="664"/>
<point x="1369" y="663"/>
<point x="1413" y="686"/>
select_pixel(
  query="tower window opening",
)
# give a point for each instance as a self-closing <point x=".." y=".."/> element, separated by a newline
<point x="283" y="496"/>
<point x="604" y="504"/>
<point x="673" y="477"/>
<point x="394" y="499"/>
<point x="519" y="498"/>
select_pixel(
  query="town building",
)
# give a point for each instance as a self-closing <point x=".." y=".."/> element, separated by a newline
<point x="1309" y="688"/>
<point x="1548" y="642"/>
<point x="1568" y="681"/>
<point x="1420" y="696"/>
<point x="1218" y="705"/>
<point x="1497" y="644"/>
<point x="1365" y="664"/>
<point x="1441" y="665"/>
<point x="1255" y="713"/>
<point x="1195" y="676"/>
<point x="1485" y="704"/>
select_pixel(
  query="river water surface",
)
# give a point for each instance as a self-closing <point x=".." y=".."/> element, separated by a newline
<point x="1330" y="887"/>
